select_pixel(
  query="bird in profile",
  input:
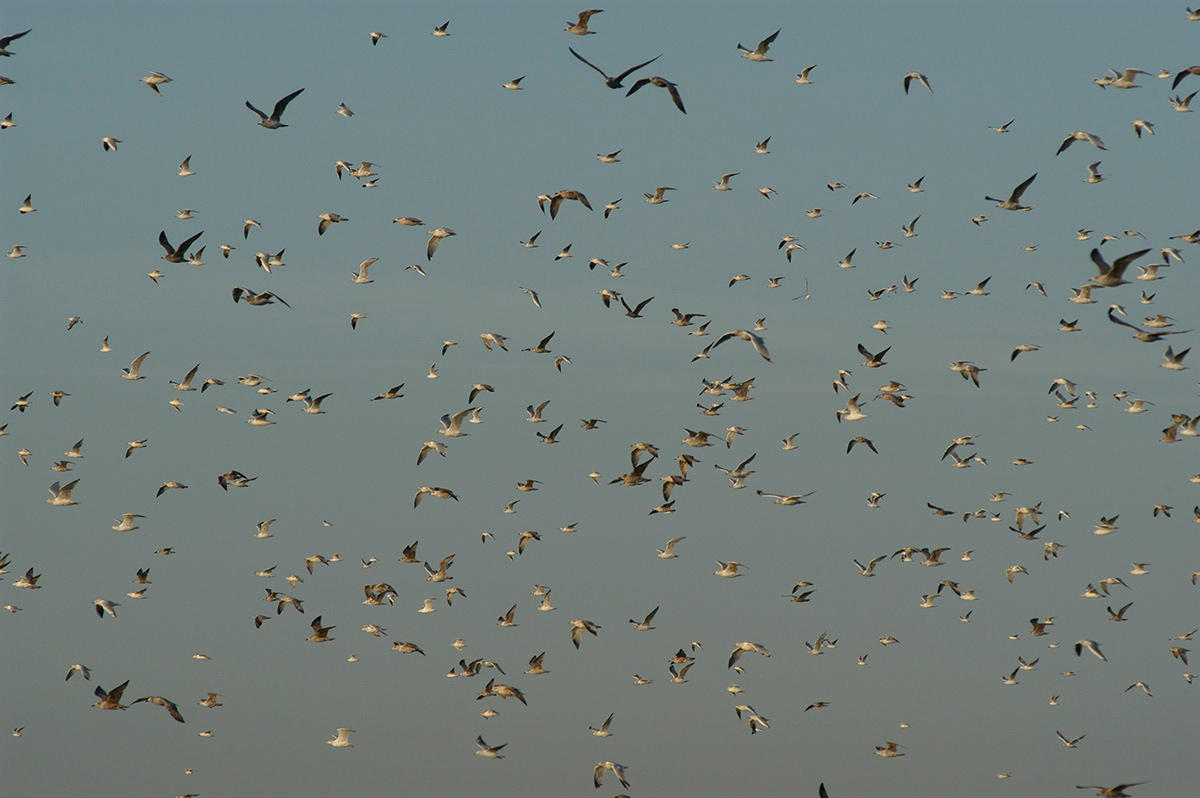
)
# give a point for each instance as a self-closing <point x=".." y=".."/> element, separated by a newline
<point x="759" y="53"/>
<point x="1013" y="203"/>
<point x="342" y="739"/>
<point x="661" y="83"/>
<point x="272" y="122"/>
<point x="154" y="80"/>
<point x="746" y="335"/>
<point x="614" y="82"/>
<point x="176" y="254"/>
<point x="165" y="703"/>
<point x="1112" y="276"/>
<point x="1079" y="135"/>
<point x="251" y="298"/>
<point x="485" y="750"/>
<point x="112" y="698"/>
<point x="580" y="27"/>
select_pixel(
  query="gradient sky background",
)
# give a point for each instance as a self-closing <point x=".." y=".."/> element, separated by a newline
<point x="456" y="150"/>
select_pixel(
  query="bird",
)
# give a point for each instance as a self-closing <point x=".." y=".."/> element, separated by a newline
<point x="341" y="739"/>
<point x="488" y="751"/>
<point x="746" y="335"/>
<point x="917" y="76"/>
<point x="561" y="196"/>
<point x="165" y="703"/>
<point x="759" y="53"/>
<point x="1013" y="203"/>
<point x="60" y="495"/>
<point x="603" y="730"/>
<point x="1111" y="276"/>
<point x="668" y="551"/>
<point x="602" y="767"/>
<point x="435" y="237"/>
<point x="661" y="83"/>
<point x="723" y="183"/>
<point x="251" y="298"/>
<point x="614" y="82"/>
<point x="177" y="254"/>
<point x="1092" y="646"/>
<point x="108" y="142"/>
<point x="153" y="81"/>
<point x="112" y="698"/>
<point x="803" y="78"/>
<point x="1080" y="135"/>
<point x="327" y="219"/>
<point x="580" y="27"/>
<point x="272" y="122"/>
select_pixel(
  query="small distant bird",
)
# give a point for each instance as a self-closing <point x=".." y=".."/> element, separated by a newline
<point x="759" y="53"/>
<point x="272" y="122"/>
<point x="153" y="81"/>
<point x="924" y="81"/>
<point x="580" y="27"/>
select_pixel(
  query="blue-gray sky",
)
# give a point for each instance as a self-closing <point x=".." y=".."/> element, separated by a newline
<point x="456" y="150"/>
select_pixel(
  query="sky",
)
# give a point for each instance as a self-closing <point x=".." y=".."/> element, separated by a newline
<point x="454" y="149"/>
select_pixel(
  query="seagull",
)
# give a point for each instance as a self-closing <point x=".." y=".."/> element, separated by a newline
<point x="440" y="30"/>
<point x="911" y="76"/>
<point x="84" y="670"/>
<point x="342" y="739"/>
<point x="1109" y="792"/>
<point x="1013" y="203"/>
<point x="165" y="703"/>
<point x="488" y="751"/>
<point x="1090" y="645"/>
<point x="802" y="78"/>
<point x="376" y="36"/>
<point x="153" y="81"/>
<point x="601" y="767"/>
<point x="328" y="219"/>
<point x="1181" y="105"/>
<point x="1141" y="124"/>
<point x="723" y="183"/>
<point x="613" y="82"/>
<point x="104" y="605"/>
<point x="668" y="552"/>
<point x="108" y="142"/>
<point x="27" y="205"/>
<point x="1112" y="276"/>
<point x="759" y="53"/>
<point x="1003" y="128"/>
<point x="111" y="699"/>
<point x="125" y="523"/>
<point x="1080" y="135"/>
<point x="251" y="298"/>
<point x="272" y="122"/>
<point x="176" y="255"/>
<point x="745" y="335"/>
<point x="435" y="237"/>
<point x="661" y="83"/>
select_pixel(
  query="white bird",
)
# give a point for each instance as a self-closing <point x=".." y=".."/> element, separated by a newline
<point x="341" y="739"/>
<point x="803" y="78"/>
<point x="746" y="335"/>
<point x="1090" y="645"/>
<point x="759" y="53"/>
<point x="435" y="237"/>
<point x="917" y="76"/>
<point x="723" y="183"/>
<point x="154" y="80"/>
<point x="1080" y="135"/>
<point x="601" y="767"/>
<point x="668" y="552"/>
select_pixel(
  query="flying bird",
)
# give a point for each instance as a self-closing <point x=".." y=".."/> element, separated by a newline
<point x="272" y="122"/>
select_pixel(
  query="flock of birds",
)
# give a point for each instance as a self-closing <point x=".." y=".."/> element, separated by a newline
<point x="662" y="467"/>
